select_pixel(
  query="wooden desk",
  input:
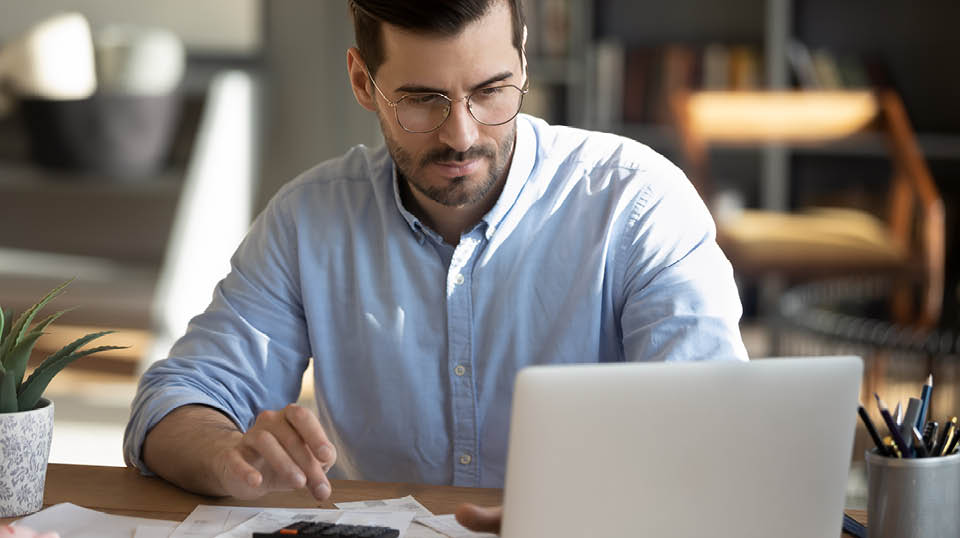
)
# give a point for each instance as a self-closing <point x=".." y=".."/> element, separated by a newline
<point x="123" y="491"/>
<point x="120" y="490"/>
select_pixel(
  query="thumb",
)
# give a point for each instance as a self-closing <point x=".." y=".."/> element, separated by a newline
<point x="480" y="518"/>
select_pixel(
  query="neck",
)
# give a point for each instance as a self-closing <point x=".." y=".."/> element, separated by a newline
<point x="449" y="221"/>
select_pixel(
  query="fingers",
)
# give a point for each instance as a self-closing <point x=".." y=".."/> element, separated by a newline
<point x="283" y="450"/>
<point x="480" y="518"/>
<point x="306" y="442"/>
<point x="310" y="430"/>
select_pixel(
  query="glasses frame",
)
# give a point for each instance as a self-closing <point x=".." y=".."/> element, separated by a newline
<point x="394" y="104"/>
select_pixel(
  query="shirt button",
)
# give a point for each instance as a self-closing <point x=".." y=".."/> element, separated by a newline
<point x="459" y="370"/>
<point x="465" y="459"/>
<point x="459" y="279"/>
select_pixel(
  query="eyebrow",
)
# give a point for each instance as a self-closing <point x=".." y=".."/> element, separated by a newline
<point x="413" y="88"/>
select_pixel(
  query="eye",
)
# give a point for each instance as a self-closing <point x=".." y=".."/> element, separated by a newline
<point x="490" y="92"/>
<point x="424" y="99"/>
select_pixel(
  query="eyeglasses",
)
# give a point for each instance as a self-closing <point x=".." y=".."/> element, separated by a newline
<point x="426" y="112"/>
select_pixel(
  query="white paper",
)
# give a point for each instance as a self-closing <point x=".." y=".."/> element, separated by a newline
<point x="416" y="530"/>
<point x="447" y="525"/>
<point x="153" y="531"/>
<point x="394" y="520"/>
<point x="402" y="504"/>
<point x="215" y="521"/>
<point x="207" y="521"/>
<point x="271" y="520"/>
<point x="72" y="521"/>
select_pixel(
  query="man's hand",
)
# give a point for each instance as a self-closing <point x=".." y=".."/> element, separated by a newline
<point x="283" y="450"/>
<point x="200" y="449"/>
<point x="480" y="518"/>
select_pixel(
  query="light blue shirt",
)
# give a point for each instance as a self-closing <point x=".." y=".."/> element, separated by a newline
<point x="597" y="250"/>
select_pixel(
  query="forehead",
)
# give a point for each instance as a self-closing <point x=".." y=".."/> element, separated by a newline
<point x="483" y="48"/>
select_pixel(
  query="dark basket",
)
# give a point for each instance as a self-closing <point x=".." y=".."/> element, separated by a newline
<point x="122" y="136"/>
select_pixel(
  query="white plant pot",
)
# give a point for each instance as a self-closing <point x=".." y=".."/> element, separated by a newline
<point x="24" y="450"/>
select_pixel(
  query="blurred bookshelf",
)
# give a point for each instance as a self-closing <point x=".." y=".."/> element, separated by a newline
<point x="618" y="63"/>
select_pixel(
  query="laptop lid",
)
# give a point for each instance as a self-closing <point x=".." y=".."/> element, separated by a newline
<point x="721" y="449"/>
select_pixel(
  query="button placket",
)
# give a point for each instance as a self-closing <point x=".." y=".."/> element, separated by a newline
<point x="460" y="337"/>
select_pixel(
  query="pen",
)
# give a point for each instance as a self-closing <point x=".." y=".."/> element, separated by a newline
<point x="953" y="443"/>
<point x="872" y="430"/>
<point x="930" y="434"/>
<point x="910" y="420"/>
<point x="892" y="426"/>
<point x="946" y="436"/>
<point x="892" y="447"/>
<point x="925" y="393"/>
<point x="918" y="446"/>
<point x="898" y="414"/>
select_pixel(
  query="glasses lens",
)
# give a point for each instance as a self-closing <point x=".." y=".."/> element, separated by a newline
<point x="496" y="105"/>
<point x="422" y="112"/>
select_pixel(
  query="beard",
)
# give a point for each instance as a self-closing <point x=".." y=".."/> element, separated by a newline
<point x="457" y="191"/>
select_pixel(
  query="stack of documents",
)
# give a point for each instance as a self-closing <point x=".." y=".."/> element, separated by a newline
<point x="406" y="514"/>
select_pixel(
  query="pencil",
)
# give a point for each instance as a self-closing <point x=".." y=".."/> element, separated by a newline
<point x="892" y="426"/>
<point x="872" y="430"/>
<point x="925" y="394"/>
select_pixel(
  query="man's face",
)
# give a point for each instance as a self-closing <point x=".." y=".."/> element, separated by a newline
<point x="463" y="160"/>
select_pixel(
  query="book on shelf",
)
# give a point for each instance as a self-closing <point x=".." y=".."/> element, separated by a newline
<point x="648" y="76"/>
<point x="823" y="69"/>
<point x="610" y="60"/>
<point x="548" y="22"/>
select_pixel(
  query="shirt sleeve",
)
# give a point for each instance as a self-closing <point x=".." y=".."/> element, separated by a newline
<point x="680" y="301"/>
<point x="247" y="352"/>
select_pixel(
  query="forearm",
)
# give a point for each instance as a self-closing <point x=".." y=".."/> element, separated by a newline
<point x="183" y="447"/>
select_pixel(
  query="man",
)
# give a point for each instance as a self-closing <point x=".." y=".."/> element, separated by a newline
<point x="423" y="275"/>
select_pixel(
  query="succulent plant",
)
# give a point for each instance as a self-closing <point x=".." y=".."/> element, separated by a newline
<point x="17" y="339"/>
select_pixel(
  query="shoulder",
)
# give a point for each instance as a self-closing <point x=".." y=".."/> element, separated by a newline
<point x="596" y="149"/>
<point x="623" y="167"/>
<point x="356" y="173"/>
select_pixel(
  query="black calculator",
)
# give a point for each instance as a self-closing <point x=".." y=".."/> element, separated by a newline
<point x="329" y="530"/>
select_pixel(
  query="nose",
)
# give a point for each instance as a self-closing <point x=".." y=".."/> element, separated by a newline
<point x="459" y="131"/>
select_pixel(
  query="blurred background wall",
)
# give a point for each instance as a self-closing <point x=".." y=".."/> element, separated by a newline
<point x="613" y="65"/>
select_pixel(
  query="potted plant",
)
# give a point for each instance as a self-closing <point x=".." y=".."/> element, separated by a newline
<point x="26" y="418"/>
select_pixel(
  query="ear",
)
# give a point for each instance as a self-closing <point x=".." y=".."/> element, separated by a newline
<point x="359" y="81"/>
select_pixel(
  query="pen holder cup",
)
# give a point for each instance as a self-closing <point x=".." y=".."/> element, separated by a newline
<point x="912" y="497"/>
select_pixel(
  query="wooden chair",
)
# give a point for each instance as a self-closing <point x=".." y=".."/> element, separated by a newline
<point x="908" y="244"/>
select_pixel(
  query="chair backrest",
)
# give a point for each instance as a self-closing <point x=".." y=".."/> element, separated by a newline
<point x="915" y="217"/>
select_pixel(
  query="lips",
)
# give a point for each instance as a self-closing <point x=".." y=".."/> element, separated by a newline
<point x="457" y="168"/>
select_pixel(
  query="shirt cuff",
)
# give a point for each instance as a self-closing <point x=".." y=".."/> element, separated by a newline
<point x="149" y="409"/>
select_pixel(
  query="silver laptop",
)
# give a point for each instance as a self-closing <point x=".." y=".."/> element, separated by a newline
<point x="719" y="449"/>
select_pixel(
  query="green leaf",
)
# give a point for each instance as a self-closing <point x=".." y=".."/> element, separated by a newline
<point x="19" y="328"/>
<point x="73" y="346"/>
<point x="16" y="360"/>
<point x="8" y="393"/>
<point x="33" y="388"/>
<point x="8" y="316"/>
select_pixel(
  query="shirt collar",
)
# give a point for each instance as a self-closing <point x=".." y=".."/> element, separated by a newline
<point x="524" y="157"/>
<point x="412" y="220"/>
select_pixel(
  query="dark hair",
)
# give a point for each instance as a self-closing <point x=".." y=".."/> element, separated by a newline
<point x="440" y="17"/>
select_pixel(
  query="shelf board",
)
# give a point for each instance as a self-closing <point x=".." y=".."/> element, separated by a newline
<point x="868" y="144"/>
<point x="22" y="177"/>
